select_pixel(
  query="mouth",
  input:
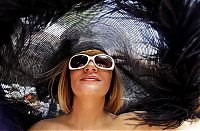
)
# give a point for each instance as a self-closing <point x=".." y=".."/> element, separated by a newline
<point x="90" y="78"/>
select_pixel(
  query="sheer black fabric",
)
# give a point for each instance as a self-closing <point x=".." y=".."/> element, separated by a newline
<point x="19" y="21"/>
<point x="155" y="45"/>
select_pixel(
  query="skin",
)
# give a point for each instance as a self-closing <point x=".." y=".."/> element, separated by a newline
<point x="90" y="86"/>
<point x="90" y="81"/>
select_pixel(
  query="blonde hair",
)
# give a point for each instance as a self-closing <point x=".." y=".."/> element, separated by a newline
<point x="113" y="101"/>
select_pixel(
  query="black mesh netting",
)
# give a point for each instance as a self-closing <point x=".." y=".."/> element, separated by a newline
<point x="155" y="45"/>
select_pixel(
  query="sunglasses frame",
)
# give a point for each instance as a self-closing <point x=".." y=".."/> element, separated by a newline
<point x="92" y="58"/>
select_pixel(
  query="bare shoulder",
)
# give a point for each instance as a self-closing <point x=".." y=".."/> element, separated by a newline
<point x="41" y="125"/>
<point x="131" y="123"/>
<point x="47" y="124"/>
<point x="128" y="121"/>
<point x="127" y="115"/>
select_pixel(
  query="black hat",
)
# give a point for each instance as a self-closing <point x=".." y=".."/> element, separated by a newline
<point x="82" y="39"/>
<point x="85" y="44"/>
<point x="169" y="90"/>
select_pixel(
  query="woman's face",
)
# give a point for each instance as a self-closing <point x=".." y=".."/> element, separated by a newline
<point x="90" y="81"/>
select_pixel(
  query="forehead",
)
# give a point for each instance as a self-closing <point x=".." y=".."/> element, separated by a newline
<point x="92" y="52"/>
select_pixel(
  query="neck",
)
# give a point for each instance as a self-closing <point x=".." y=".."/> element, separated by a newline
<point x="87" y="112"/>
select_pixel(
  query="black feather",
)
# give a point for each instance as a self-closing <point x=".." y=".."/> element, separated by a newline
<point x="172" y="81"/>
<point x="26" y="17"/>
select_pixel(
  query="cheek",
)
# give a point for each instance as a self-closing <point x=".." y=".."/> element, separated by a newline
<point x="107" y="79"/>
<point x="73" y="78"/>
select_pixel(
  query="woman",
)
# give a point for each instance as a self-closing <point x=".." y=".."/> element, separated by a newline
<point x="89" y="92"/>
<point x="89" y="89"/>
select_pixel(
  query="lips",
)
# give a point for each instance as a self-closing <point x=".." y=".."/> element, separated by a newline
<point x="90" y="78"/>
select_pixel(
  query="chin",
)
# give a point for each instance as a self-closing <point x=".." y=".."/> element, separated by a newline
<point x="92" y="90"/>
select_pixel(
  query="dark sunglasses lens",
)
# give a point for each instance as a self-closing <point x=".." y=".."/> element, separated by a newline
<point x="78" y="61"/>
<point x="103" y="61"/>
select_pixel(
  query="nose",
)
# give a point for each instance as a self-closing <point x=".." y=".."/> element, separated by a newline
<point x="90" y="67"/>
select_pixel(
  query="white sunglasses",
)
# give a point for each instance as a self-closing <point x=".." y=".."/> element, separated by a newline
<point x="101" y="61"/>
